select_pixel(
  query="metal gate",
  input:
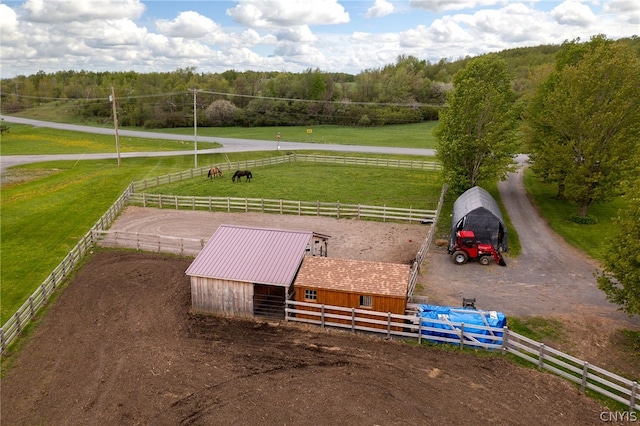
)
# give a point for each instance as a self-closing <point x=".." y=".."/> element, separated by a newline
<point x="268" y="302"/>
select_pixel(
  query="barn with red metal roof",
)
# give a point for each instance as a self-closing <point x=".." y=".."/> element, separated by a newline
<point x="247" y="271"/>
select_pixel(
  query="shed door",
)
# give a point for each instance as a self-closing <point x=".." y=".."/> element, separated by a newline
<point x="268" y="301"/>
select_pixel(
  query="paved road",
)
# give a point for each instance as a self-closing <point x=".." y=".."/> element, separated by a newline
<point x="228" y="145"/>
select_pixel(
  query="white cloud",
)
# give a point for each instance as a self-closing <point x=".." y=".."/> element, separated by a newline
<point x="380" y="8"/>
<point x="8" y="24"/>
<point x="621" y="6"/>
<point x="188" y="25"/>
<point x="58" y="11"/>
<point x="443" y="5"/>
<point x="572" y="12"/>
<point x="297" y="34"/>
<point x="628" y="10"/>
<point x="287" y="35"/>
<point x="286" y="13"/>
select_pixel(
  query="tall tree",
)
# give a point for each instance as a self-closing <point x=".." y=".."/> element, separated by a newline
<point x="620" y="278"/>
<point x="584" y="121"/>
<point x="477" y="139"/>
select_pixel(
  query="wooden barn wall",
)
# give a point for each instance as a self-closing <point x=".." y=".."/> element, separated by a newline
<point x="381" y="303"/>
<point x="222" y="297"/>
<point x="395" y="305"/>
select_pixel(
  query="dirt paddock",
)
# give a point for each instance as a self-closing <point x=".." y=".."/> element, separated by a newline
<point x="121" y="347"/>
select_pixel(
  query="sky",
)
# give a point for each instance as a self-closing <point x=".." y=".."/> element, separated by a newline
<point x="348" y="36"/>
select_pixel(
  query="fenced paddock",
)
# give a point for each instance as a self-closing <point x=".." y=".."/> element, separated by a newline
<point x="412" y="327"/>
<point x="283" y="159"/>
<point x="13" y="327"/>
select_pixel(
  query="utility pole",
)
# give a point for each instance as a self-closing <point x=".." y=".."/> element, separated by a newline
<point x="195" y="129"/>
<point x="115" y="121"/>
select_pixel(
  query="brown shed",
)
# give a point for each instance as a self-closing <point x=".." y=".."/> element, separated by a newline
<point x="377" y="286"/>
<point x="247" y="271"/>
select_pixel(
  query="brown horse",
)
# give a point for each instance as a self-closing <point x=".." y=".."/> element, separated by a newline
<point x="239" y="173"/>
<point x="214" y="172"/>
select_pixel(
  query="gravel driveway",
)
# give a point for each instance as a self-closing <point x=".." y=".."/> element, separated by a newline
<point x="549" y="277"/>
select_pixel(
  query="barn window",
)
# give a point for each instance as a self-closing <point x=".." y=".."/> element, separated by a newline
<point x="366" y="301"/>
<point x="310" y="295"/>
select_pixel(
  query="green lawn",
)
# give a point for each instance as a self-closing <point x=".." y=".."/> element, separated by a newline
<point x="402" y="136"/>
<point x="588" y="238"/>
<point x="36" y="140"/>
<point x="368" y="185"/>
<point x="25" y="139"/>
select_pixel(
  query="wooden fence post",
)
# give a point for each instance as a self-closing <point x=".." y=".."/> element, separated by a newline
<point x="585" y="372"/>
<point x="462" y="336"/>
<point x="353" y="320"/>
<point x="322" y="316"/>
<point x="505" y="339"/>
<point x="541" y="356"/>
<point x="632" y="399"/>
<point x="388" y="324"/>
<point x="18" y="322"/>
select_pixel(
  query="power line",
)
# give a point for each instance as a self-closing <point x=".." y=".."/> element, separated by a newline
<point x="226" y="94"/>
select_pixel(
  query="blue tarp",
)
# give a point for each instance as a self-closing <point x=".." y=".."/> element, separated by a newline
<point x="453" y="317"/>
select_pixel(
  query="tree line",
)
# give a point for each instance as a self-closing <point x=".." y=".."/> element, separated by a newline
<point x="408" y="91"/>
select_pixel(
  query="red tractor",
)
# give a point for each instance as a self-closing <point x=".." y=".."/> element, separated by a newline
<point x="467" y="247"/>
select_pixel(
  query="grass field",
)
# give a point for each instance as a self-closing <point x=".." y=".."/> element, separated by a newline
<point x="405" y="135"/>
<point x="24" y="139"/>
<point x="419" y="135"/>
<point x="588" y="238"/>
<point x="377" y="186"/>
<point x="47" y="210"/>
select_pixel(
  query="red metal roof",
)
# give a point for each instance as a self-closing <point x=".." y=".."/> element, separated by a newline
<point x="255" y="255"/>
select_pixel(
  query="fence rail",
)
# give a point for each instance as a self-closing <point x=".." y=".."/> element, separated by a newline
<point x="149" y="242"/>
<point x="575" y="370"/>
<point x="586" y="375"/>
<point x="300" y="208"/>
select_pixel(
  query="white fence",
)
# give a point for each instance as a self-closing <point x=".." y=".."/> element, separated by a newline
<point x="301" y="208"/>
<point x="390" y="325"/>
<point x="149" y="242"/>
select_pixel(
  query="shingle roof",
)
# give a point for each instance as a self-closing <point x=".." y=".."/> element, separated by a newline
<point x="389" y="279"/>
<point x="255" y="255"/>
